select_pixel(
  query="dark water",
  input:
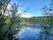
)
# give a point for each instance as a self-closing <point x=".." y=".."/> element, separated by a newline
<point x="28" y="33"/>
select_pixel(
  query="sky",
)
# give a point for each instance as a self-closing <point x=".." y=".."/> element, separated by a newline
<point x="34" y="6"/>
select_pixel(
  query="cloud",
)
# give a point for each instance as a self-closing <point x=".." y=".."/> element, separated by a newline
<point x="24" y="14"/>
<point x="9" y="6"/>
<point x="27" y="15"/>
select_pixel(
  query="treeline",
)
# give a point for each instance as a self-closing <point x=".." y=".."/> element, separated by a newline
<point x="20" y="20"/>
<point x="41" y="19"/>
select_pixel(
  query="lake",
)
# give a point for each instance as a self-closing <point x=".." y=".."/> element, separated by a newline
<point x="29" y="33"/>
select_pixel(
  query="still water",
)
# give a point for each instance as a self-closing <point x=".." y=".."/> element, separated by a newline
<point x="28" y="33"/>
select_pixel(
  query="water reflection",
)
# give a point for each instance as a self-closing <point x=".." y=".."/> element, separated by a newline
<point x="28" y="32"/>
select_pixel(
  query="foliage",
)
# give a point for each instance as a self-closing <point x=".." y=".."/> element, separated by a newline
<point x="7" y="23"/>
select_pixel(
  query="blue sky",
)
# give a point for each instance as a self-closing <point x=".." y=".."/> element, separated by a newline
<point x="33" y="5"/>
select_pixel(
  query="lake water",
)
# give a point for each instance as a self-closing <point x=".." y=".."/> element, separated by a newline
<point x="28" y="33"/>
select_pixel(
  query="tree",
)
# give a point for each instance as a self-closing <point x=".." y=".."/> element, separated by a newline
<point x="3" y="5"/>
<point x="7" y="30"/>
<point x="48" y="11"/>
<point x="3" y="17"/>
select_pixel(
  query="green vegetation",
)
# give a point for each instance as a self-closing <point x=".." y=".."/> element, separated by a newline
<point x="9" y="23"/>
<point x="41" y="19"/>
